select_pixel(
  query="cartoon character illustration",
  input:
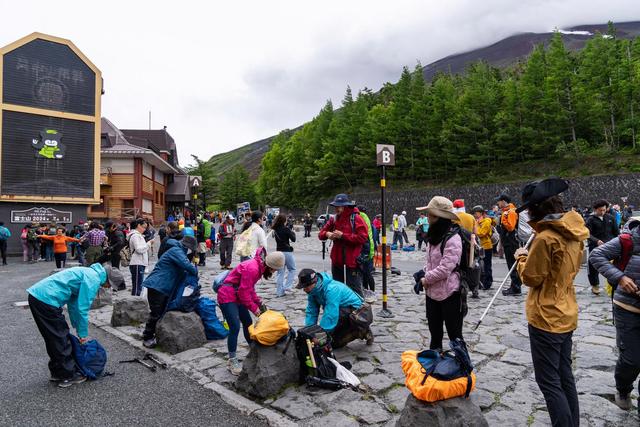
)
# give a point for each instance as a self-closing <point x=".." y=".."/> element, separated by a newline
<point x="49" y="145"/>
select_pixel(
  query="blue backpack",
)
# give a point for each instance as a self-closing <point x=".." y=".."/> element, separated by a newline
<point x="91" y="357"/>
<point x="449" y="365"/>
<point x="213" y="327"/>
<point x="218" y="281"/>
<point x="186" y="296"/>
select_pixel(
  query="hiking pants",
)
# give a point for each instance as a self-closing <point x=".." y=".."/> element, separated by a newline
<point x="397" y="239"/>
<point x="345" y="331"/>
<point x="3" y="251"/>
<point x="25" y="250"/>
<point x="628" y="342"/>
<point x="594" y="275"/>
<point x="235" y="314"/>
<point x="353" y="279"/>
<point x="92" y="254"/>
<point x="487" y="269"/>
<point x="48" y="251"/>
<point x="137" y="276"/>
<point x="61" y="259"/>
<point x="509" y="252"/>
<point x="34" y="250"/>
<point x="404" y="234"/>
<point x="551" y="354"/>
<point x="367" y="276"/>
<point x="55" y="331"/>
<point x="157" y="306"/>
<point x="448" y="312"/>
<point x="226" y="252"/>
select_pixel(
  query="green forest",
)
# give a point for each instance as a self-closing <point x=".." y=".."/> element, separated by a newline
<point x="477" y="127"/>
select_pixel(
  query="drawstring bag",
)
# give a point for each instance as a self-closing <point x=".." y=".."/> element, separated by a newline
<point x="90" y="357"/>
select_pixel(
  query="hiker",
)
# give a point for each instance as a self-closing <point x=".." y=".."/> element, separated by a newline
<point x="96" y="237"/>
<point x="548" y="269"/>
<point x="308" y="223"/>
<point x="82" y="245"/>
<point x="116" y="240"/>
<point x="337" y="302"/>
<point x="507" y="228"/>
<point x="76" y="288"/>
<point x="284" y="236"/>
<point x="602" y="228"/>
<point x="170" y="271"/>
<point x="139" y="254"/>
<point x="26" y="252"/>
<point x="465" y="220"/>
<point x="402" y="221"/>
<point x="484" y="230"/>
<point x="377" y="229"/>
<point x="226" y="236"/>
<point x="257" y="236"/>
<point x="440" y="282"/>
<point x="398" y="240"/>
<point x="365" y="259"/>
<point x="47" y="245"/>
<point x="624" y="275"/>
<point x="348" y="232"/>
<point x="59" y="242"/>
<point x="422" y="227"/>
<point x="237" y="298"/>
<point x="173" y="232"/>
<point x="202" y="241"/>
<point x="4" y="236"/>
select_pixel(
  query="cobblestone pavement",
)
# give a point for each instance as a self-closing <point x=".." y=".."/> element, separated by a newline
<point x="506" y="389"/>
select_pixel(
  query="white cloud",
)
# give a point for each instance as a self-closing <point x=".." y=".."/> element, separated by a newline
<point x="224" y="74"/>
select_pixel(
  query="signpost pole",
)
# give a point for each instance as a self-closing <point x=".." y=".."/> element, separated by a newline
<point x="386" y="157"/>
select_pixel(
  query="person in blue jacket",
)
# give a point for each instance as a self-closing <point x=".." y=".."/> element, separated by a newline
<point x="76" y="288"/>
<point x="170" y="271"/>
<point x="337" y="301"/>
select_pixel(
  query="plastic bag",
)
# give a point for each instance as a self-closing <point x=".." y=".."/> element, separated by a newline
<point x="345" y="375"/>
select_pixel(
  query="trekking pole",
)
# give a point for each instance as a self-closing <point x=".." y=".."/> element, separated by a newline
<point x="324" y="248"/>
<point x="526" y="246"/>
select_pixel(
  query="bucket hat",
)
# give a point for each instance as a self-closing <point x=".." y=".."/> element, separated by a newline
<point x="342" y="200"/>
<point x="441" y="207"/>
<point x="275" y="260"/>
<point x="539" y="191"/>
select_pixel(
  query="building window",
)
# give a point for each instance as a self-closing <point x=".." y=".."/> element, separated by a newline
<point x="157" y="199"/>
<point x="147" y="206"/>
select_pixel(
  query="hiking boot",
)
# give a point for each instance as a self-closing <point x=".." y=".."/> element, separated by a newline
<point x="369" y="296"/>
<point x="475" y="295"/>
<point x="623" y="401"/>
<point x="150" y="343"/>
<point x="77" y="379"/>
<point x="55" y="379"/>
<point x="234" y="365"/>
<point x="369" y="337"/>
<point x="595" y="290"/>
<point x="510" y="292"/>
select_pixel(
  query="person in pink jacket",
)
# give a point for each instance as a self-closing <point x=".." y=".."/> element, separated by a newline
<point x="441" y="282"/>
<point x="237" y="297"/>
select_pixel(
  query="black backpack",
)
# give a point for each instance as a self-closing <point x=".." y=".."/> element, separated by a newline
<point x="469" y="274"/>
<point x="323" y="375"/>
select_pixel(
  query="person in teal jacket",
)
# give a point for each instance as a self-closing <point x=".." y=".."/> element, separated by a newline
<point x="76" y="288"/>
<point x="337" y="301"/>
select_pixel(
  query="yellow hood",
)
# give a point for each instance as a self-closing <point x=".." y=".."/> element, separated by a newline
<point x="570" y="225"/>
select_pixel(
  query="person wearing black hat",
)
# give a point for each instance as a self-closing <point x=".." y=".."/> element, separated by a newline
<point x="337" y="302"/>
<point x="508" y="230"/>
<point x="548" y="270"/>
<point x="349" y="232"/>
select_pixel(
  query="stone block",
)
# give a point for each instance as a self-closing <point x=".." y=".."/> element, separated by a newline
<point x="456" y="412"/>
<point x="129" y="311"/>
<point x="177" y="332"/>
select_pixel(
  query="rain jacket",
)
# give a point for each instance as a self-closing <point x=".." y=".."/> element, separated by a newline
<point x="601" y="258"/>
<point x="484" y="231"/>
<point x="76" y="287"/>
<point x="352" y="238"/>
<point x="330" y="295"/>
<point x="170" y="270"/>
<point x="553" y="262"/>
<point x="244" y="278"/>
<point x="370" y="231"/>
<point x="441" y="280"/>
<point x="207" y="228"/>
<point x="508" y="226"/>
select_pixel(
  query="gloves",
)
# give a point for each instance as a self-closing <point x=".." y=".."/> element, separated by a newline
<point x="417" y="288"/>
<point x="263" y="308"/>
<point x="417" y="276"/>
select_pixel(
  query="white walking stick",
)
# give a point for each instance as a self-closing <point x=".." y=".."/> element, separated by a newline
<point x="526" y="246"/>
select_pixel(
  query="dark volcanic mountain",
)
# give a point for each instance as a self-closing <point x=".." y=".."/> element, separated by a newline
<point x="502" y="54"/>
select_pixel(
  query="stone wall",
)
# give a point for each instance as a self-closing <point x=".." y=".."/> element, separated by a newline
<point x="582" y="192"/>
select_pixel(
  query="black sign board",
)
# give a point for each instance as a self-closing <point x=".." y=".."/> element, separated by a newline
<point x="41" y="215"/>
<point x="385" y="155"/>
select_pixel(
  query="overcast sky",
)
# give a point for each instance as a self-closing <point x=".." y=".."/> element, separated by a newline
<point x="221" y="75"/>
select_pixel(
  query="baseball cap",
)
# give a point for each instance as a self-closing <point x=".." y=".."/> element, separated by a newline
<point x="306" y="277"/>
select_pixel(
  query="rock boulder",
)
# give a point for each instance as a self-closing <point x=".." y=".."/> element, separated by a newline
<point x="266" y="371"/>
<point x="458" y="412"/>
<point x="129" y="311"/>
<point x="102" y="298"/>
<point x="177" y="332"/>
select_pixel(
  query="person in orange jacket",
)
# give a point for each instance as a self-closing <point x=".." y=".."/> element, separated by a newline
<point x="59" y="246"/>
<point x="508" y="229"/>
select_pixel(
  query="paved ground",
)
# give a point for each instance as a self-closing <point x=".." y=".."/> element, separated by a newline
<point x="507" y="392"/>
<point x="133" y="396"/>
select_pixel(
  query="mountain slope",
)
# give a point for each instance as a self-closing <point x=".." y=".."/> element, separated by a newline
<point x="501" y="54"/>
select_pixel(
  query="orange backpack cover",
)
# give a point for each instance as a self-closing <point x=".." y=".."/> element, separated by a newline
<point x="269" y="328"/>
<point x="432" y="389"/>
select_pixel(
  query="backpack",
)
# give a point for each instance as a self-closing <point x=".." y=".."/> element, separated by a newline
<point x="213" y="327"/>
<point x="186" y="296"/>
<point x="243" y="245"/>
<point x="24" y="234"/>
<point x="495" y="236"/>
<point x="32" y="236"/>
<point x="125" y="256"/>
<point x="313" y="348"/>
<point x="91" y="358"/>
<point x="626" y="243"/>
<point x="218" y="281"/>
<point x="469" y="273"/>
<point x="432" y="376"/>
<point x="4" y="233"/>
<point x="269" y="328"/>
<point x="524" y="229"/>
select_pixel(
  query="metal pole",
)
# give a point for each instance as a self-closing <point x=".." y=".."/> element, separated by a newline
<point x="385" y="312"/>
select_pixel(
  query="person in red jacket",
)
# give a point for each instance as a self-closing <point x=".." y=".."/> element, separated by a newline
<point x="349" y="232"/>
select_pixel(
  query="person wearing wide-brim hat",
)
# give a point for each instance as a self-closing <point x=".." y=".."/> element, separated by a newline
<point x="548" y="270"/>
<point x="349" y="233"/>
<point x="440" y="282"/>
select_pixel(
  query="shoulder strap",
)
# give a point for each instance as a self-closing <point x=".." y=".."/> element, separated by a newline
<point x="626" y="241"/>
<point x="353" y="222"/>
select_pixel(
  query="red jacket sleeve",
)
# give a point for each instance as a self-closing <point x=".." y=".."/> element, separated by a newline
<point x="329" y="226"/>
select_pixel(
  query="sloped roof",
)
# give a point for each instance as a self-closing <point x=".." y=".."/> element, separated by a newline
<point x="179" y="190"/>
<point x="158" y="139"/>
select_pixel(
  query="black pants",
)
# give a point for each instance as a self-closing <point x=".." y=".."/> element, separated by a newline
<point x="55" y="331"/>
<point x="307" y="231"/>
<point x="3" y="251"/>
<point x="61" y="259"/>
<point x="404" y="234"/>
<point x="157" y="306"/>
<point x="594" y="275"/>
<point x="447" y="312"/>
<point x="345" y="331"/>
<point x="628" y="341"/>
<point x="368" y="281"/>
<point x="353" y="279"/>
<point x="137" y="277"/>
<point x="551" y="354"/>
<point x="509" y="252"/>
<point x="226" y="252"/>
<point x="115" y="258"/>
<point x="487" y="269"/>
